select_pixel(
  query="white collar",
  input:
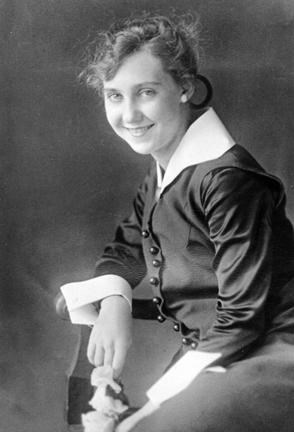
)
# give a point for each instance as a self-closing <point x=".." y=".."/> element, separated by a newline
<point x="206" y="139"/>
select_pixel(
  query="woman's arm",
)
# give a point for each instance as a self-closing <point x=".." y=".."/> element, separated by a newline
<point x="120" y="268"/>
<point x="111" y="335"/>
<point x="239" y="208"/>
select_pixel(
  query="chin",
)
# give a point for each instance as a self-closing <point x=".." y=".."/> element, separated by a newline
<point x="140" y="148"/>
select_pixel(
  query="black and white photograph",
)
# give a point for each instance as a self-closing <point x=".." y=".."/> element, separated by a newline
<point x="147" y="216"/>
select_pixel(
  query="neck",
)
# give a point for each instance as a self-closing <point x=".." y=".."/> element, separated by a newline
<point x="191" y="114"/>
<point x="163" y="156"/>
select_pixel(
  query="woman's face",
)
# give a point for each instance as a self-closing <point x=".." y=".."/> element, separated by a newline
<point x="143" y="106"/>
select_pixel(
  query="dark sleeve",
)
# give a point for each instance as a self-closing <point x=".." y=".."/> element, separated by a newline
<point x="124" y="255"/>
<point x="239" y="208"/>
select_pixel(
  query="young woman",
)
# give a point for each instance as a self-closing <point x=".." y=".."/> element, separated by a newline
<point x="209" y="229"/>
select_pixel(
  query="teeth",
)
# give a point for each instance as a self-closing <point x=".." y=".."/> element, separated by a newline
<point x="139" y="131"/>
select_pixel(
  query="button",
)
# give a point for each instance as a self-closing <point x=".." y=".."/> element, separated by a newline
<point x="193" y="345"/>
<point x="154" y="281"/>
<point x="156" y="263"/>
<point x="145" y="233"/>
<point x="176" y="327"/>
<point x="154" y="250"/>
<point x="160" y="318"/>
<point x="185" y="341"/>
<point x="157" y="300"/>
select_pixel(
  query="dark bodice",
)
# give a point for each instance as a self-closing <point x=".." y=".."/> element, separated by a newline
<point x="218" y="250"/>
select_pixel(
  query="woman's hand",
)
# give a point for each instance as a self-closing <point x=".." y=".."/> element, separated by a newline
<point x="111" y="335"/>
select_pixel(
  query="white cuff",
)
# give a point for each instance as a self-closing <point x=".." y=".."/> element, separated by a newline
<point x="79" y="296"/>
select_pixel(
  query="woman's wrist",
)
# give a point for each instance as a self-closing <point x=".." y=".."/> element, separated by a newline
<point x="114" y="299"/>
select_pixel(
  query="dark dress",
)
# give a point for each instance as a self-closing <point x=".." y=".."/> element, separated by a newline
<point x="219" y="253"/>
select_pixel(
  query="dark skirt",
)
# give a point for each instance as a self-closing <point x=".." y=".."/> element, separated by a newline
<point x="255" y="394"/>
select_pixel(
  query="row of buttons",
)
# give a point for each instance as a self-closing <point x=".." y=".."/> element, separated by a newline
<point x="160" y="318"/>
<point x="157" y="300"/>
<point x="176" y="326"/>
<point x="156" y="263"/>
<point x="154" y="281"/>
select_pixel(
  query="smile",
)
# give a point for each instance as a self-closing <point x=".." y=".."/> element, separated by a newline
<point x="138" y="131"/>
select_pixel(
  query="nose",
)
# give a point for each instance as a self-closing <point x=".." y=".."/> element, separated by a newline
<point x="131" y="112"/>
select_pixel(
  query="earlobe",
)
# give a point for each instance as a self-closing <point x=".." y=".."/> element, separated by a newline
<point x="187" y="90"/>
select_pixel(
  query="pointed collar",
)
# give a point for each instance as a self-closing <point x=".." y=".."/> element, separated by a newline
<point x="206" y="139"/>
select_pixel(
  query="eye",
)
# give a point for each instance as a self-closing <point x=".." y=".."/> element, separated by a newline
<point x="147" y="92"/>
<point x="113" y="97"/>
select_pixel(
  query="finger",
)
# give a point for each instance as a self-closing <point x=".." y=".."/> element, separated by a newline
<point x="95" y="353"/>
<point x="91" y="346"/>
<point x="90" y="351"/>
<point x="99" y="356"/>
<point x="108" y="355"/>
<point x="119" y="358"/>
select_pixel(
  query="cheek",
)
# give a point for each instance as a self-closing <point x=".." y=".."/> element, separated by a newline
<point x="155" y="111"/>
<point x="168" y="110"/>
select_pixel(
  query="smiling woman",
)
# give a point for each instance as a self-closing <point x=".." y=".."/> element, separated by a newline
<point x="144" y="106"/>
<point x="147" y="78"/>
<point x="210" y="230"/>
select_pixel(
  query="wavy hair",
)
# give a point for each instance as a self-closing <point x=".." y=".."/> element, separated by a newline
<point x="173" y="40"/>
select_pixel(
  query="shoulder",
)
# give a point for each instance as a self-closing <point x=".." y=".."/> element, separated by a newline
<point x="235" y="172"/>
<point x="236" y="157"/>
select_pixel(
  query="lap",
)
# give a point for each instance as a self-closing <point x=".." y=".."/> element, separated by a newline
<point x="255" y="394"/>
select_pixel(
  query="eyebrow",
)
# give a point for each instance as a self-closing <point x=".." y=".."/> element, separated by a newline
<point x="156" y="83"/>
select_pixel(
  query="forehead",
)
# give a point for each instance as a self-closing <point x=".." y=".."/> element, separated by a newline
<point x="138" y="68"/>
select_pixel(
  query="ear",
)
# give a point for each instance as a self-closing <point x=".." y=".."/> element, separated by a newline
<point x="188" y="88"/>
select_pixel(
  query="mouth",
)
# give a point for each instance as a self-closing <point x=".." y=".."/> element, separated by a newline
<point x="139" y="131"/>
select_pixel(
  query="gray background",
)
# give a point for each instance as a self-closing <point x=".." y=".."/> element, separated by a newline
<point x="66" y="180"/>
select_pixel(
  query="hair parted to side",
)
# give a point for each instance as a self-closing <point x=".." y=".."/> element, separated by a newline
<point x="174" y="40"/>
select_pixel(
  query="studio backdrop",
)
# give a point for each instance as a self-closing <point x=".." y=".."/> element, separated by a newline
<point x="66" y="180"/>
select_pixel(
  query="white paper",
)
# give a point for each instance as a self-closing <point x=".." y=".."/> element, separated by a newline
<point x="180" y="375"/>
